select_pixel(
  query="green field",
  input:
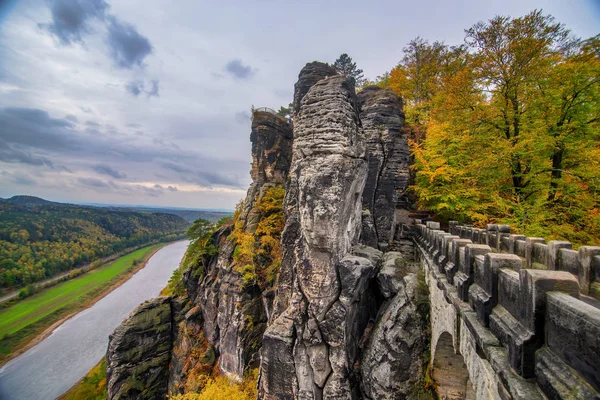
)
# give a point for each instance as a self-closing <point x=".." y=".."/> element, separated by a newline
<point x="47" y="302"/>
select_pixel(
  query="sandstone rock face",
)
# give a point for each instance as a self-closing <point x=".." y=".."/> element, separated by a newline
<point x="309" y="348"/>
<point x="233" y="313"/>
<point x="271" y="139"/>
<point x="393" y="359"/>
<point x="139" y="351"/>
<point x="309" y="75"/>
<point x="342" y="320"/>
<point x="388" y="157"/>
<point x="221" y="318"/>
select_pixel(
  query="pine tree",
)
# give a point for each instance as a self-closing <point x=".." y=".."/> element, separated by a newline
<point x="346" y="66"/>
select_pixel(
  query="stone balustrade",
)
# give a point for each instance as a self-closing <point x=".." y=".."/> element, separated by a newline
<point x="531" y="306"/>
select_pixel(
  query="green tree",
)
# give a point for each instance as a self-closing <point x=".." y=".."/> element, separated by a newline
<point x="200" y="229"/>
<point x="346" y="66"/>
<point x="285" y="112"/>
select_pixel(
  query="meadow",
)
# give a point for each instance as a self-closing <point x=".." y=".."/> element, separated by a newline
<point x="29" y="317"/>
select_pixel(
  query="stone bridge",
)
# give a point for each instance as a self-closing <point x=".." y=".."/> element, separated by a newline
<point x="512" y="317"/>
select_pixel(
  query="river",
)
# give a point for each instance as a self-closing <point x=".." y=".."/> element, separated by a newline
<point x="54" y="365"/>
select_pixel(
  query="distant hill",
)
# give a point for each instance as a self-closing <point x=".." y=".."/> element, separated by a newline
<point x="189" y="215"/>
<point x="40" y="238"/>
<point x="27" y="200"/>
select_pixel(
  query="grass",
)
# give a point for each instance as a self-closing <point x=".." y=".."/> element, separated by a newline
<point x="91" y="387"/>
<point x="28" y="318"/>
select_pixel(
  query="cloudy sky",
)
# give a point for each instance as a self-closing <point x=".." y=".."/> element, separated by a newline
<point x="148" y="102"/>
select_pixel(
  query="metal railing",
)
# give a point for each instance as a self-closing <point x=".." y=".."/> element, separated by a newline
<point x="265" y="109"/>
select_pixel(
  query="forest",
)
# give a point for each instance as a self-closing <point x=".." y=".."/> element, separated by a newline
<point x="505" y="128"/>
<point x="39" y="239"/>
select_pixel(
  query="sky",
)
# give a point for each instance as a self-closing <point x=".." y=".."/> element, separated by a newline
<point x="148" y="102"/>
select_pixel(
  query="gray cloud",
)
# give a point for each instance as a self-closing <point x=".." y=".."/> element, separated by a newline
<point x="108" y="170"/>
<point x="135" y="87"/>
<point x="72" y="118"/>
<point x="34" y="127"/>
<point x="208" y="179"/>
<point x="71" y="22"/>
<point x="177" y="168"/>
<point x="172" y="188"/>
<point x="154" y="89"/>
<point x="70" y="18"/>
<point x="20" y="178"/>
<point x="29" y="135"/>
<point x="128" y="47"/>
<point x="237" y="69"/>
<point x="86" y="110"/>
<point x="92" y="124"/>
<point x="201" y="177"/>
<point x="10" y="154"/>
<point x="93" y="183"/>
<point x="242" y="117"/>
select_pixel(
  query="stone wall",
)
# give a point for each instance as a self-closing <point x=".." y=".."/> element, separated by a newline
<point x="518" y="310"/>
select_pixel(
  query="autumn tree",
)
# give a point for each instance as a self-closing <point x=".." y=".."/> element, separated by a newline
<point x="512" y="129"/>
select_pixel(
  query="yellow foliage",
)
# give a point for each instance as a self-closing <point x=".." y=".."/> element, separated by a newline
<point x="222" y="388"/>
<point x="258" y="255"/>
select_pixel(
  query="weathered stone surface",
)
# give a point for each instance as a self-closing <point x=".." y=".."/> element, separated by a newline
<point x="390" y="277"/>
<point x="138" y="353"/>
<point x="309" y="75"/>
<point x="233" y="313"/>
<point x="271" y="139"/>
<point x="543" y="334"/>
<point x="388" y="158"/>
<point x="573" y="332"/>
<point x="221" y="318"/>
<point x="393" y="359"/>
<point x="558" y="381"/>
<point x="321" y="290"/>
<point x="483" y="294"/>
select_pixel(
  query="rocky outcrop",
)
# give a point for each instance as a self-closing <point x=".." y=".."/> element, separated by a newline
<point x="309" y="348"/>
<point x="388" y="158"/>
<point x="226" y="313"/>
<point x="392" y="364"/>
<point x="271" y="139"/>
<point x="139" y="351"/>
<point x="219" y="318"/>
<point x="309" y="75"/>
<point x="339" y="322"/>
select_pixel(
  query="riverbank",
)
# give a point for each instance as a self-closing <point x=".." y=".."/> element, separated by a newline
<point x="90" y="387"/>
<point x="50" y="308"/>
<point x="6" y="297"/>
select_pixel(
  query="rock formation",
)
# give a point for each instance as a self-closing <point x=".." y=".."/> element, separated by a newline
<point x="332" y="317"/>
<point x="139" y="351"/>
<point x="388" y="159"/>
<point x="327" y="294"/>
<point x="392" y="364"/>
<point x="309" y="75"/>
<point x="225" y="313"/>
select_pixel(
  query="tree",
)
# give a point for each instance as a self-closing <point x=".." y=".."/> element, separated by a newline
<point x="510" y="55"/>
<point x="285" y="112"/>
<point x="346" y="66"/>
<point x="512" y="129"/>
<point x="200" y="229"/>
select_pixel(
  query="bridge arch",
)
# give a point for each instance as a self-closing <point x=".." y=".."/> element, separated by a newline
<point x="449" y="370"/>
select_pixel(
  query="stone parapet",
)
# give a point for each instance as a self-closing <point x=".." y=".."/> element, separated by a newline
<point x="526" y="304"/>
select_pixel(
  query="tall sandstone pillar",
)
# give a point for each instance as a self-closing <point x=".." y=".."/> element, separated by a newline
<point x="304" y="353"/>
<point x="388" y="158"/>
